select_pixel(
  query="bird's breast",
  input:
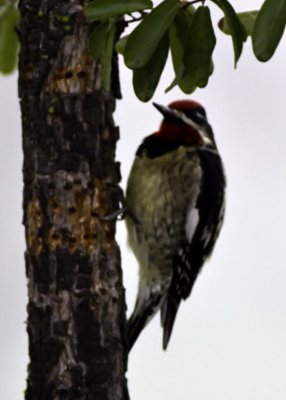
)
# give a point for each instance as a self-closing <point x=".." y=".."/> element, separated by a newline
<point x="160" y="192"/>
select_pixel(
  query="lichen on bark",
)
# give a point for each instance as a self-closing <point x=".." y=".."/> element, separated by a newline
<point x="76" y="306"/>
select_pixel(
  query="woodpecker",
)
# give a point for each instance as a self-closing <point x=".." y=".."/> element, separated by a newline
<point x="175" y="200"/>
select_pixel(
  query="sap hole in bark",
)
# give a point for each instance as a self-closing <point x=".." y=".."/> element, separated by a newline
<point x="60" y="328"/>
<point x="52" y="185"/>
<point x="109" y="229"/>
<point x="57" y="76"/>
<point x="81" y="74"/>
<point x="69" y="74"/>
<point x="55" y="236"/>
<point x="103" y="291"/>
<point x="94" y="214"/>
<point x="78" y="371"/>
<point x="62" y="394"/>
<point x="29" y="71"/>
<point x="72" y="243"/>
<point x="39" y="242"/>
<point x="118" y="286"/>
<point x="86" y="236"/>
<point x="68" y="186"/>
<point x="83" y="282"/>
<point x="72" y="210"/>
<point x="77" y="182"/>
<point x="55" y="206"/>
<point x="54" y="240"/>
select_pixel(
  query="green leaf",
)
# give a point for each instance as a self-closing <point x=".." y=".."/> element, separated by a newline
<point x="101" y="44"/>
<point x="146" y="78"/>
<point x="236" y="28"/>
<point x="180" y="37"/>
<point x="9" y="43"/>
<point x="178" y="34"/>
<point x="247" y="19"/>
<point x="187" y="84"/>
<point x="121" y="44"/>
<point x="199" y="48"/>
<point x="97" y="40"/>
<point x="107" y="59"/>
<point x="3" y="7"/>
<point x="146" y="36"/>
<point x="104" y="9"/>
<point x="269" y="28"/>
<point x="203" y="82"/>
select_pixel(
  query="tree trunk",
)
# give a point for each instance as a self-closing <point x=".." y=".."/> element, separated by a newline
<point x="76" y="308"/>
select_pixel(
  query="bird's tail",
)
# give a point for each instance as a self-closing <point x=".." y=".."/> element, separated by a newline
<point x="148" y="302"/>
<point x="138" y="320"/>
<point x="169" y="311"/>
<point x="135" y="325"/>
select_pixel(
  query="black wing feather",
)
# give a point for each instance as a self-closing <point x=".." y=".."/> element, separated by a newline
<point x="135" y="325"/>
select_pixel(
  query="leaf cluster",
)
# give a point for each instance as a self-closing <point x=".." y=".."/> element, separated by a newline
<point x="185" y="30"/>
<point x="182" y="28"/>
<point x="172" y="26"/>
<point x="265" y="27"/>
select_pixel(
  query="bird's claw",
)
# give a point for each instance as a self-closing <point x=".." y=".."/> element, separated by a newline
<point x="117" y="215"/>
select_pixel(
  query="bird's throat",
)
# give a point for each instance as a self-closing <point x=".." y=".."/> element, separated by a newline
<point x="179" y="132"/>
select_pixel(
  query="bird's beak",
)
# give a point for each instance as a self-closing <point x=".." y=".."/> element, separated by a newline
<point x="165" y="111"/>
<point x="175" y="114"/>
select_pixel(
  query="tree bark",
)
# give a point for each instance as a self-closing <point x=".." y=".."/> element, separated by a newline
<point x="76" y="306"/>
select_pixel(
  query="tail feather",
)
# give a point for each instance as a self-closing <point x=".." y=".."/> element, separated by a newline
<point x="169" y="311"/>
<point x="143" y="313"/>
<point x="135" y="325"/>
<point x="149" y="300"/>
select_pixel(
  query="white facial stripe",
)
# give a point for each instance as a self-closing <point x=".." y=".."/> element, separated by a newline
<point x="187" y="120"/>
<point x="206" y="140"/>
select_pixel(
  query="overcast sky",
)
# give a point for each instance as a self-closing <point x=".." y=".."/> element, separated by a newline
<point x="229" y="337"/>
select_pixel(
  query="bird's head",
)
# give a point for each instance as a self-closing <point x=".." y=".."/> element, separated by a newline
<point x="185" y="121"/>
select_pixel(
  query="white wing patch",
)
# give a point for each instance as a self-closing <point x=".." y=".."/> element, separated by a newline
<point x="192" y="223"/>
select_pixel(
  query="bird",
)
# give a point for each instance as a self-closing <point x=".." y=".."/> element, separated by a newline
<point x="175" y="200"/>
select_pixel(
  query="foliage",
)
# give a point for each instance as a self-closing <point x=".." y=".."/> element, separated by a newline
<point x="266" y="27"/>
<point x="179" y="27"/>
<point x="269" y="28"/>
<point x="186" y="28"/>
<point x="9" y="44"/>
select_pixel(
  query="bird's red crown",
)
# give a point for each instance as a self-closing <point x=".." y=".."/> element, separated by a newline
<point x="185" y="105"/>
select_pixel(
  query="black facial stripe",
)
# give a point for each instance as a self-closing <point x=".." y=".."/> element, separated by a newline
<point x="154" y="146"/>
<point x="198" y="110"/>
<point x="196" y="114"/>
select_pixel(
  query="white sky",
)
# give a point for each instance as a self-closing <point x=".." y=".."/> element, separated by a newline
<point x="229" y="338"/>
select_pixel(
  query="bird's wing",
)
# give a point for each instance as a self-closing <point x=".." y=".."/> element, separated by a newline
<point x="202" y="227"/>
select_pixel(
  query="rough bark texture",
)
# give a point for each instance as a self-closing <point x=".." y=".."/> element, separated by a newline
<point x="76" y="309"/>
